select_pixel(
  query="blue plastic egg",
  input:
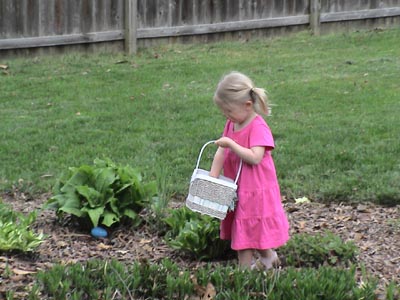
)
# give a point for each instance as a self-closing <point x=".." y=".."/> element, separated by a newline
<point x="99" y="232"/>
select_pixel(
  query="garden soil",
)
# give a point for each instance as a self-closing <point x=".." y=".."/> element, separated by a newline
<point x="374" y="229"/>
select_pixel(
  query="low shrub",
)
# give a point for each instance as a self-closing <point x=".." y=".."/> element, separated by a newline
<point x="15" y="232"/>
<point x="305" y="250"/>
<point x="103" y="193"/>
<point x="195" y="234"/>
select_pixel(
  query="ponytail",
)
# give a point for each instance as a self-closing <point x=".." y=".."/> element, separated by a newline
<point x="260" y="100"/>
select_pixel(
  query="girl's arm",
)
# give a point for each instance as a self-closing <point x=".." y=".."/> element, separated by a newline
<point x="251" y="156"/>
<point x="217" y="163"/>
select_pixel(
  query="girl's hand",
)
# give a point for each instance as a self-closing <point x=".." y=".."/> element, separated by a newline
<point x="214" y="174"/>
<point x="225" y="142"/>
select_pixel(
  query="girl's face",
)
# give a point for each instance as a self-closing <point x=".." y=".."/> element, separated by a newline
<point x="238" y="113"/>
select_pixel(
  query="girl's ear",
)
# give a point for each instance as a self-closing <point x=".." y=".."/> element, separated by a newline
<point x="249" y="104"/>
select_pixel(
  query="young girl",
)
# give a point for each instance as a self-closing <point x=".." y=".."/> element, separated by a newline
<point x="258" y="223"/>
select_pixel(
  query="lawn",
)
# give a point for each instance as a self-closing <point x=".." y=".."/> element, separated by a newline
<point x="335" y="114"/>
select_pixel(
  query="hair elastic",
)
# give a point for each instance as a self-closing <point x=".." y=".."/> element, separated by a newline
<point x="251" y="92"/>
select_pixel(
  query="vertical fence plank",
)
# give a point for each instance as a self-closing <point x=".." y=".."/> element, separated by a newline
<point x="3" y="12"/>
<point x="99" y="15"/>
<point x="187" y="12"/>
<point x="106" y="15"/>
<point x="141" y="21"/>
<point x="151" y="13"/>
<point x="32" y="17"/>
<point x="43" y="12"/>
<point x="74" y="20"/>
<point x="261" y="9"/>
<point x="173" y="16"/>
<point x="218" y="11"/>
<point x="204" y="12"/>
<point x="195" y="9"/>
<point x="130" y="26"/>
<point x="254" y="9"/>
<point x="278" y="8"/>
<point x="59" y="15"/>
<point x="270" y="9"/>
<point x="85" y="16"/>
<point x="241" y="12"/>
<point x="48" y="19"/>
<point x="19" y="18"/>
<point x="65" y="8"/>
<point x="285" y="8"/>
<point x="315" y="11"/>
<point x="374" y="4"/>
<point x="291" y="8"/>
<point x="233" y="8"/>
<point x="94" y="7"/>
<point x="10" y="18"/>
<point x="303" y="8"/>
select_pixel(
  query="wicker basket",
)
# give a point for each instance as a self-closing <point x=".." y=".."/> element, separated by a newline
<point x="209" y="195"/>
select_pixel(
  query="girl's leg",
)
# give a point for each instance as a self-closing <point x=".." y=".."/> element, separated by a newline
<point x="266" y="253"/>
<point x="269" y="258"/>
<point x="245" y="256"/>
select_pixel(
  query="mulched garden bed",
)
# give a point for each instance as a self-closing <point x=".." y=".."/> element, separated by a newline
<point x="374" y="229"/>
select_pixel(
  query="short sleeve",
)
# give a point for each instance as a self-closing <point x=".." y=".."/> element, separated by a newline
<point x="260" y="134"/>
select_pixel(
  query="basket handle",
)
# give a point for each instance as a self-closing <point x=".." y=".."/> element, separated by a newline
<point x="201" y="153"/>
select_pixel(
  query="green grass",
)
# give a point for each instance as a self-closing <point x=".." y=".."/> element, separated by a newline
<point x="335" y="120"/>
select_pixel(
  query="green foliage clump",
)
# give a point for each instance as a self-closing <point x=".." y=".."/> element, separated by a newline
<point x="290" y="283"/>
<point x="304" y="250"/>
<point x="97" y="279"/>
<point x="15" y="234"/>
<point x="103" y="193"/>
<point x="163" y="280"/>
<point x="195" y="234"/>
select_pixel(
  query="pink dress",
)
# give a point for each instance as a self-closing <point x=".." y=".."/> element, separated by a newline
<point x="259" y="220"/>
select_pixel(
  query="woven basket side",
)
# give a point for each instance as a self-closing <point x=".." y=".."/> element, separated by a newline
<point x="206" y="210"/>
<point x="212" y="191"/>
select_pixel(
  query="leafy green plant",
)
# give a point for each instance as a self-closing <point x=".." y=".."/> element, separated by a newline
<point x="103" y="193"/>
<point x="14" y="230"/>
<point x="163" y="280"/>
<point x="73" y="280"/>
<point x="326" y="282"/>
<point x="195" y="234"/>
<point x="97" y="279"/>
<point x="304" y="250"/>
<point x="177" y="219"/>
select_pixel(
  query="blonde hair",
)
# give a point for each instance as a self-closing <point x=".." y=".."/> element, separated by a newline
<point x="236" y="88"/>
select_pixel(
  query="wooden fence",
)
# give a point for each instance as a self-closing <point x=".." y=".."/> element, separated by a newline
<point x="27" y="24"/>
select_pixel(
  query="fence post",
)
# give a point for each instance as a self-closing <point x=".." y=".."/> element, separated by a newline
<point x="130" y="26"/>
<point x="315" y="15"/>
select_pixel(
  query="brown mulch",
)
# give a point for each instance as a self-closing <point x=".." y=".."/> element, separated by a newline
<point x="374" y="229"/>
